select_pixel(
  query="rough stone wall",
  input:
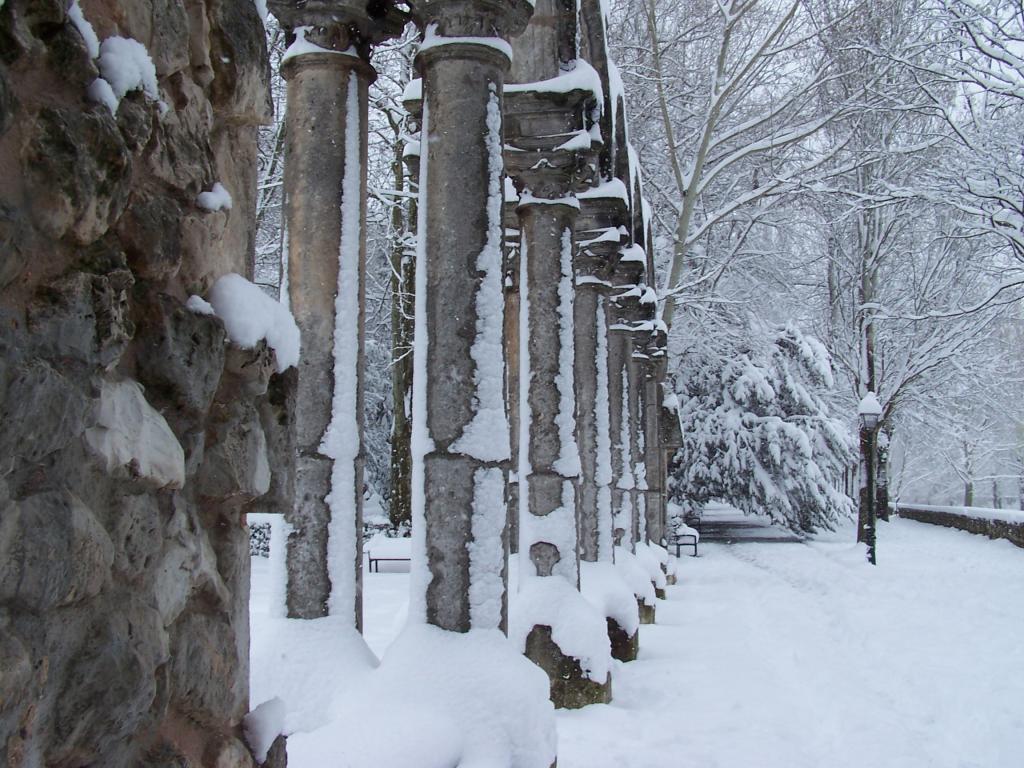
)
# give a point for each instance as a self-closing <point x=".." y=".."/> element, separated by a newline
<point x="132" y="436"/>
<point x="994" y="529"/>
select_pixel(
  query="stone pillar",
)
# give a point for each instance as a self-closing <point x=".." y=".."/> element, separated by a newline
<point x="549" y="458"/>
<point x="512" y="298"/>
<point x="460" y="431"/>
<point x="325" y="193"/>
<point x="623" y="397"/>
<point x="634" y="401"/>
<point x="653" y="450"/>
<point x="596" y="252"/>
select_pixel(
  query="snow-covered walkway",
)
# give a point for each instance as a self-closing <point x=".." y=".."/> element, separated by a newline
<point x="800" y="655"/>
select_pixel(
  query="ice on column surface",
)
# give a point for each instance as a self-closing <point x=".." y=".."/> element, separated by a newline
<point x="487" y="550"/>
<point x="340" y="441"/>
<point x="486" y="436"/>
<point x="602" y="420"/>
<point x="568" y="462"/>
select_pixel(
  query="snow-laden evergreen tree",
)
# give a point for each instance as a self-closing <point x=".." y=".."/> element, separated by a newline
<point x="757" y="432"/>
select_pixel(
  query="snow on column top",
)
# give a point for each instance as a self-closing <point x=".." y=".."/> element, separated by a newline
<point x="301" y="45"/>
<point x="433" y="40"/>
<point x="582" y="77"/>
<point x="611" y="188"/>
<point x="250" y="315"/>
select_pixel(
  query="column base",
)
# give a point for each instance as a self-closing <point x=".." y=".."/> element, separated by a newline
<point x="670" y="579"/>
<point x="624" y="647"/>
<point x="659" y="592"/>
<point x="570" y="688"/>
<point x="646" y="612"/>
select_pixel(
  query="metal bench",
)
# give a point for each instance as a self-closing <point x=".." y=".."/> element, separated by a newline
<point x="382" y="549"/>
<point x="681" y="540"/>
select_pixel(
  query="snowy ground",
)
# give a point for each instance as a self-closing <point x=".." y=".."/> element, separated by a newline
<point x="787" y="654"/>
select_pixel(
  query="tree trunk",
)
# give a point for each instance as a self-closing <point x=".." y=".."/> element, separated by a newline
<point x="403" y="266"/>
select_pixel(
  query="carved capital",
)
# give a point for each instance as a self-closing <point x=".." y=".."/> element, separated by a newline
<point x="371" y="22"/>
<point x="503" y="19"/>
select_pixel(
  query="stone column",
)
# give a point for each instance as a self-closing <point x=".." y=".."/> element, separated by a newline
<point x="635" y="378"/>
<point x="592" y="266"/>
<point x="325" y="192"/>
<point x="512" y="298"/>
<point x="655" y="470"/>
<point x="622" y="385"/>
<point x="460" y="429"/>
<point x="549" y="458"/>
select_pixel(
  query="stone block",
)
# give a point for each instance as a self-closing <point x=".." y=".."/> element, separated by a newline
<point x="110" y="686"/>
<point x="238" y="53"/>
<point x="180" y="354"/>
<point x="249" y="370"/>
<point x="131" y="439"/>
<point x="77" y="169"/>
<point x="570" y="688"/>
<point x="16" y="240"/>
<point x="151" y="234"/>
<point x="229" y="753"/>
<point x="204" y="680"/>
<point x="41" y="411"/>
<point x="235" y="460"/>
<point x="83" y="317"/>
<point x="169" y="44"/>
<point x="137" y="535"/>
<point x="646" y="611"/>
<point x="624" y="647"/>
<point x="53" y="552"/>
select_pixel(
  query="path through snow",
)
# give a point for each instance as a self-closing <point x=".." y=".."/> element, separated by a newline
<point x="794" y="655"/>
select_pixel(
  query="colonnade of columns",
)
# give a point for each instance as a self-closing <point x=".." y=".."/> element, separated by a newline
<point x="539" y="419"/>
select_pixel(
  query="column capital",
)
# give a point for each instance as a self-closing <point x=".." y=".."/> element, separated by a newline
<point x="502" y="19"/>
<point x="340" y="25"/>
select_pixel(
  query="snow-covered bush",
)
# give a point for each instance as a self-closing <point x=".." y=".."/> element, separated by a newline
<point x="757" y="433"/>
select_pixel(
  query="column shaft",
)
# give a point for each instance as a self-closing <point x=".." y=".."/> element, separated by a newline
<point x="325" y="185"/>
<point x="549" y="459"/>
<point x="460" y="430"/>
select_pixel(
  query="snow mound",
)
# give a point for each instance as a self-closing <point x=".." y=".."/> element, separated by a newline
<point x="651" y="563"/>
<point x="92" y="43"/>
<point x="603" y="587"/>
<point x="250" y="315"/>
<point x="308" y="665"/>
<point x="217" y="199"/>
<point x="635" y="575"/>
<point x="577" y="628"/>
<point x="125" y="66"/>
<point x="440" y="699"/>
<point x="262" y="726"/>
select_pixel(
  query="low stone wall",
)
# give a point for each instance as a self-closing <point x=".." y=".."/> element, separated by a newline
<point x="1010" y="530"/>
<point x="132" y="436"/>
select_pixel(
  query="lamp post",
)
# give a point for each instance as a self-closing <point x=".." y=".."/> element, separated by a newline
<point x="869" y="412"/>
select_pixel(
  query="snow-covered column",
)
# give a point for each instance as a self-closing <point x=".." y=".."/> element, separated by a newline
<point x="654" y="453"/>
<point x="588" y="325"/>
<point x="512" y="299"/>
<point x="549" y="462"/>
<point x="599" y="242"/>
<point x="325" y="193"/>
<point x="635" y="378"/>
<point x="623" y="397"/>
<point x="460" y="429"/>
